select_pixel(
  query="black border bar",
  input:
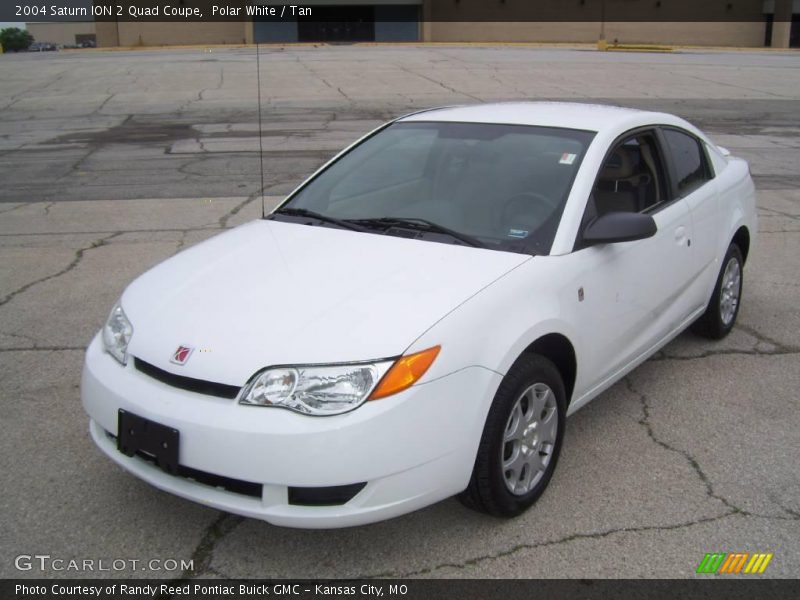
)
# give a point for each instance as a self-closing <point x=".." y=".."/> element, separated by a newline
<point x="708" y="587"/>
<point x="503" y="11"/>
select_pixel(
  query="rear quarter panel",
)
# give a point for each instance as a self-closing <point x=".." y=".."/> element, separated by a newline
<point x="737" y="202"/>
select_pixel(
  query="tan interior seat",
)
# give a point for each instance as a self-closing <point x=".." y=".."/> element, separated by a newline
<point x="618" y="188"/>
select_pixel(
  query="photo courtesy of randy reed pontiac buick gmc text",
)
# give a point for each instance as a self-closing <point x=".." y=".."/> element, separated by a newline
<point x="418" y="319"/>
<point x="205" y="590"/>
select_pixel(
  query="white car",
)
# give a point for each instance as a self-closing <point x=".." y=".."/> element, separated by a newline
<point x="418" y="318"/>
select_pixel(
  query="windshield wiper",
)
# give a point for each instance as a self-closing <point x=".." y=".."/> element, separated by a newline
<point x="382" y="222"/>
<point x="418" y="225"/>
<point x="304" y="212"/>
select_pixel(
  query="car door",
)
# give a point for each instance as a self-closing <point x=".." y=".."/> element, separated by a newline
<point x="692" y="179"/>
<point x="631" y="295"/>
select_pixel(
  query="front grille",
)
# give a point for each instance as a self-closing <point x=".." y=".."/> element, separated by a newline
<point x="237" y="486"/>
<point x="190" y="384"/>
<point x="324" y="496"/>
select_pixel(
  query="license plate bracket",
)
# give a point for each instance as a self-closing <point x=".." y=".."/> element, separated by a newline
<point x="151" y="440"/>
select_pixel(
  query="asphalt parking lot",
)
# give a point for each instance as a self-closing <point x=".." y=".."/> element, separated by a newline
<point x="113" y="161"/>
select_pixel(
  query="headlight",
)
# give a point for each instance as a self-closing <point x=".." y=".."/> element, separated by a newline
<point x="117" y="334"/>
<point x="335" y="389"/>
<point x="327" y="390"/>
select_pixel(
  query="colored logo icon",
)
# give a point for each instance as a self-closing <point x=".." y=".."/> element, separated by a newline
<point x="181" y="355"/>
<point x="734" y="563"/>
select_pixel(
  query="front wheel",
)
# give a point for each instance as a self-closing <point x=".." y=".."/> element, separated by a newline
<point x="521" y="439"/>
<point x="723" y="308"/>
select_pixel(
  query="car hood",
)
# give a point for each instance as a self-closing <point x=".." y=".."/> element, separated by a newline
<point x="270" y="293"/>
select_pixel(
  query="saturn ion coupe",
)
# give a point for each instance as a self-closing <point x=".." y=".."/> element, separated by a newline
<point x="418" y="319"/>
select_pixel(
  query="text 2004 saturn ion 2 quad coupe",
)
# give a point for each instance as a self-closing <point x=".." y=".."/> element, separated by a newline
<point x="419" y="318"/>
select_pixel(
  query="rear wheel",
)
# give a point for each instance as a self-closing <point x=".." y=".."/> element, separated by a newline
<point x="521" y="439"/>
<point x="723" y="308"/>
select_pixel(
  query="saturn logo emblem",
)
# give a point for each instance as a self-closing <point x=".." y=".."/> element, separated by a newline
<point x="181" y="355"/>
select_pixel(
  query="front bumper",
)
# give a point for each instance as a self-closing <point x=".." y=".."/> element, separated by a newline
<point x="412" y="449"/>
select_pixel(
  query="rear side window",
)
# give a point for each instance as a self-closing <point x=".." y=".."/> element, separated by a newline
<point x="689" y="160"/>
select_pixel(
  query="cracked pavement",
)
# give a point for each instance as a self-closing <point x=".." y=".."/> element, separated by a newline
<point x="112" y="162"/>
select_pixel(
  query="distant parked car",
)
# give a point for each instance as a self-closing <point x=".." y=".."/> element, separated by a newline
<point x="88" y="44"/>
<point x="42" y="47"/>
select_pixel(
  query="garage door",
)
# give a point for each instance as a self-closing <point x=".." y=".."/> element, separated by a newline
<point x="345" y="23"/>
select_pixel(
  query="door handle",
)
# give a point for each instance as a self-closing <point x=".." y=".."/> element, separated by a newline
<point x="680" y="234"/>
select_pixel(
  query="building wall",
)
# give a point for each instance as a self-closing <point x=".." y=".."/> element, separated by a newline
<point x="164" y="34"/>
<point x="511" y="32"/>
<point x="482" y="23"/>
<point x="60" y="33"/>
<point x="144" y="33"/>
<point x="107" y="35"/>
<point x="595" y="10"/>
<point x="705" y="34"/>
<point x="747" y="34"/>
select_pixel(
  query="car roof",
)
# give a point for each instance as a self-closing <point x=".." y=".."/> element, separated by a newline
<point x="571" y="115"/>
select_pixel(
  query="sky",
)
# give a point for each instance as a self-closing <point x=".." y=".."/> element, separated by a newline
<point x="4" y="24"/>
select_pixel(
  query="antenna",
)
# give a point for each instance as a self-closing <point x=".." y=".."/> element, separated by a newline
<point x="260" y="136"/>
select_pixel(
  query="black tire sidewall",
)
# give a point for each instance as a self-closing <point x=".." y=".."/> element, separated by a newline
<point x="716" y="313"/>
<point x="527" y="371"/>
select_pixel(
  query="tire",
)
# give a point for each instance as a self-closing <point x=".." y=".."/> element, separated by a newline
<point x="532" y="385"/>
<point x="723" y="307"/>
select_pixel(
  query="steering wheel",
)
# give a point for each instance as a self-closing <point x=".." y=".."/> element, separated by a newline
<point x="526" y="211"/>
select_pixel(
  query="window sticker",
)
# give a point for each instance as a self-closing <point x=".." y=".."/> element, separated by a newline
<point x="518" y="233"/>
<point x="567" y="159"/>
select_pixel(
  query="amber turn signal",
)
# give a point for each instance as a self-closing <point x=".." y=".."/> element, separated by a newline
<point x="405" y="373"/>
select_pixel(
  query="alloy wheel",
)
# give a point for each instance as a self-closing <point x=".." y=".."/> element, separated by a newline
<point x="529" y="438"/>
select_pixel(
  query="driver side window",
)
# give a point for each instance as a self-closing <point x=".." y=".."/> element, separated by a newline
<point x="632" y="178"/>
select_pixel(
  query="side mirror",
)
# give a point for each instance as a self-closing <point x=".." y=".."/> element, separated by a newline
<point x="616" y="227"/>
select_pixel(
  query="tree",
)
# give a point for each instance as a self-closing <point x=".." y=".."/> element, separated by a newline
<point x="14" y="39"/>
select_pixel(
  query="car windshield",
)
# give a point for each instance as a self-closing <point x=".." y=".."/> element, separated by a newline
<point x="495" y="186"/>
